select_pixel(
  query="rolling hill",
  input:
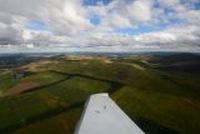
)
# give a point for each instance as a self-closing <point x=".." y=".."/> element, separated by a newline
<point x="159" y="92"/>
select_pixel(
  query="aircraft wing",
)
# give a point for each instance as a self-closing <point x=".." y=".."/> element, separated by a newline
<point x="103" y="116"/>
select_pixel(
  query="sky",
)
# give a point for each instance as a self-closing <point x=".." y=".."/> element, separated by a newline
<point x="99" y="25"/>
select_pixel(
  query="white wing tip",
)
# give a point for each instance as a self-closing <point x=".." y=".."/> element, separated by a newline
<point x="99" y="95"/>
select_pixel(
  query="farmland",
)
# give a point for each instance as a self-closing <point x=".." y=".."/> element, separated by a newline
<point x="159" y="92"/>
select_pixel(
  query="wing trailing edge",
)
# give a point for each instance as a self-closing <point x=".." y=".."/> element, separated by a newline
<point x="103" y="116"/>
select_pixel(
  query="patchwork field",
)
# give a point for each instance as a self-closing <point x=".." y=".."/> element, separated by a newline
<point x="160" y="93"/>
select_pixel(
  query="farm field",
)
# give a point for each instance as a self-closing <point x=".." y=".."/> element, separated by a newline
<point x="159" y="92"/>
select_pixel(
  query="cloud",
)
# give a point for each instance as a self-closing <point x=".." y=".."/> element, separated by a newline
<point x="140" y="10"/>
<point x="68" y="25"/>
<point x="9" y="34"/>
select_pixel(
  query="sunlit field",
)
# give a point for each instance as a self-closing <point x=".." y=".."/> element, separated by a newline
<point x="48" y="97"/>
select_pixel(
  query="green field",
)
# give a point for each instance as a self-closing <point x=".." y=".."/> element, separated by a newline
<point x="159" y="101"/>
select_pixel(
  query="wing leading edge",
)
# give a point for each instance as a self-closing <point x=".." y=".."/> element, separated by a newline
<point x="103" y="116"/>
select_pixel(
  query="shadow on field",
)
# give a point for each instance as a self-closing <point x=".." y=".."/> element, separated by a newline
<point x="11" y="95"/>
<point x="114" y="84"/>
<point x="152" y="127"/>
<point x="48" y="85"/>
<point x="37" y="118"/>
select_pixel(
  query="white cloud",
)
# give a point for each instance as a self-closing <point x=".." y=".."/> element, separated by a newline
<point x="69" y="27"/>
<point x="140" y="10"/>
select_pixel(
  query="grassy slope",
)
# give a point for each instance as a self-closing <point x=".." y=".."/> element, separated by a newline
<point x="44" y="77"/>
<point x="170" y="111"/>
<point x="47" y="100"/>
<point x="169" y="103"/>
<point x="61" y="124"/>
<point x="6" y="82"/>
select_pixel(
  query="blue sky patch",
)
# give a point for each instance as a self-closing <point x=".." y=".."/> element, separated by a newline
<point x="197" y="6"/>
<point x="95" y="19"/>
<point x="96" y="2"/>
<point x="37" y="25"/>
<point x="140" y="29"/>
